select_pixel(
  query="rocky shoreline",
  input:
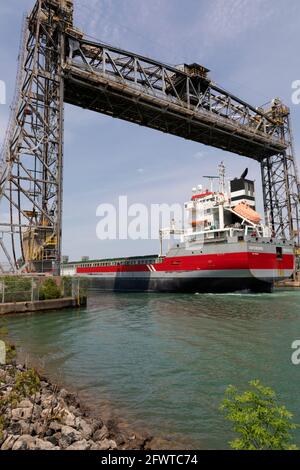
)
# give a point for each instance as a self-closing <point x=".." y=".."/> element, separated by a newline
<point x="38" y="415"/>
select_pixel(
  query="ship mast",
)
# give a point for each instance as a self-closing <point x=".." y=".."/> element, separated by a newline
<point x="222" y="171"/>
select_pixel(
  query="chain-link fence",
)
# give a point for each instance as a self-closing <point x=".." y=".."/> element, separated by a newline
<point x="30" y="289"/>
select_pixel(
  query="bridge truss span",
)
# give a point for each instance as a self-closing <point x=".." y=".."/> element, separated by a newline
<point x="178" y="100"/>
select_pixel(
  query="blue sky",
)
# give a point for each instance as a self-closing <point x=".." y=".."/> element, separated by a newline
<point x="251" y="48"/>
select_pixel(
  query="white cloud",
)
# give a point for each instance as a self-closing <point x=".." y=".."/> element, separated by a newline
<point x="127" y="24"/>
<point x="230" y="18"/>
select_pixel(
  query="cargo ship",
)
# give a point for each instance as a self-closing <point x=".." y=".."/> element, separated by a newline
<point x="224" y="246"/>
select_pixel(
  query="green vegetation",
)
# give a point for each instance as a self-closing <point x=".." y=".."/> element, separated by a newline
<point x="24" y="289"/>
<point x="67" y="283"/>
<point x="258" y="418"/>
<point x="26" y="383"/>
<point x="50" y="290"/>
<point x="10" y="348"/>
<point x="23" y="383"/>
<point x="17" y="289"/>
<point x="75" y="287"/>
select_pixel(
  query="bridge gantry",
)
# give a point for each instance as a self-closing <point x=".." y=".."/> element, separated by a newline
<point x="59" y="65"/>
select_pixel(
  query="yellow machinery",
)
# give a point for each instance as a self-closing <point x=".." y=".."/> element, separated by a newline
<point x="40" y="247"/>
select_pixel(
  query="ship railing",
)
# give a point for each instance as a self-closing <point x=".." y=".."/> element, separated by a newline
<point x="202" y="233"/>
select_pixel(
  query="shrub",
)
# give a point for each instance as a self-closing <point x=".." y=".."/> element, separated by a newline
<point x="27" y="383"/>
<point x="17" y="289"/>
<point x="261" y="422"/>
<point x="50" y="290"/>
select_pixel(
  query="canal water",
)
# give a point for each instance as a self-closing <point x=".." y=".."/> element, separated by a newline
<point x="164" y="361"/>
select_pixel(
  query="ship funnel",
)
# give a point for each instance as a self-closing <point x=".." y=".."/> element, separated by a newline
<point x="244" y="175"/>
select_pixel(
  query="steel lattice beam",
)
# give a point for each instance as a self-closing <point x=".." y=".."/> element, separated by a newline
<point x="281" y="190"/>
<point x="32" y="180"/>
<point x="169" y="99"/>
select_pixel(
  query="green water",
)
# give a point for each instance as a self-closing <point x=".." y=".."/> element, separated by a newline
<point x="164" y="361"/>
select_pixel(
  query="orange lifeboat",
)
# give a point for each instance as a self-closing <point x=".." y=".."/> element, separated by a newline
<point x="245" y="211"/>
<point x="196" y="223"/>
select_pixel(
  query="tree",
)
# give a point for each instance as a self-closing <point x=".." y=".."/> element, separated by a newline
<point x="261" y="422"/>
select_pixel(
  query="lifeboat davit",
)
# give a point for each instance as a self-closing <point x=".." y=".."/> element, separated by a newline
<point x="246" y="212"/>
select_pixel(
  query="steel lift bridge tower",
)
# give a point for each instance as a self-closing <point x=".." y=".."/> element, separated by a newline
<point x="58" y="65"/>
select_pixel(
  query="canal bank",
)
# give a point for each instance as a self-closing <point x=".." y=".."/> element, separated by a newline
<point x="26" y="294"/>
<point x="41" y="305"/>
<point x="38" y="415"/>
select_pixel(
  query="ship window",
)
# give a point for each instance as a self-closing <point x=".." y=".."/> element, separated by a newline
<point x="279" y="252"/>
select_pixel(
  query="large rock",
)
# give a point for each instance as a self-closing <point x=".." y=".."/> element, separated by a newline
<point x="67" y="418"/>
<point x="95" y="446"/>
<point x="101" y="434"/>
<point x="9" y="442"/>
<point x="40" y="444"/>
<point x="21" y="414"/>
<point x="55" y="426"/>
<point x="63" y="393"/>
<point x="85" y="429"/>
<point x="36" y="413"/>
<point x="107" y="444"/>
<point x="57" y="436"/>
<point x="38" y="429"/>
<point x="96" y="424"/>
<point x="79" y="445"/>
<point x="75" y="410"/>
<point x="36" y="398"/>
<point x="25" y="442"/>
<point x="48" y="401"/>
<point x="19" y="428"/>
<point x="15" y="428"/>
<point x="27" y="428"/>
<point x="25" y="404"/>
<point x="54" y="440"/>
<point x="69" y="435"/>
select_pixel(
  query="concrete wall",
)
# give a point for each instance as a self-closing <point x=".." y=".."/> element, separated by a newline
<point x="39" y="306"/>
